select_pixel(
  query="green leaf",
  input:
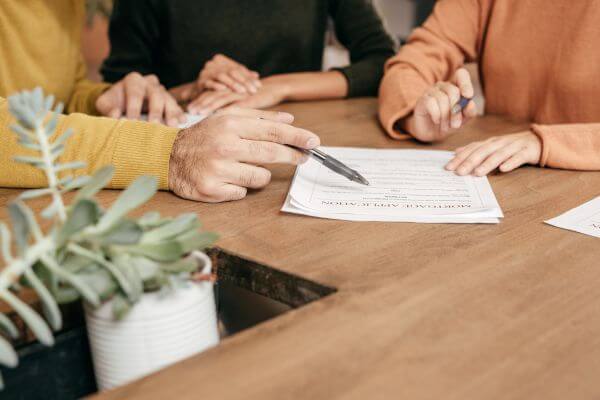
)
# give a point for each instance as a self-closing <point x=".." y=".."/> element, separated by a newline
<point x="96" y="183"/>
<point x="194" y="240"/>
<point x="165" y="251"/>
<point x="185" y="265"/>
<point x="60" y="141"/>
<point x="49" y="305"/>
<point x="8" y="356"/>
<point x="5" y="243"/>
<point x="20" y="226"/>
<point x="49" y="211"/>
<point x="33" y="193"/>
<point x="76" y="183"/>
<point x="101" y="281"/>
<point x="31" y="318"/>
<point x="120" y="306"/>
<point x="179" y="225"/>
<point x="146" y="268"/>
<point x="48" y="102"/>
<point x="78" y="284"/>
<point x="23" y="133"/>
<point x="35" y="161"/>
<point x="69" y="165"/>
<point x="83" y="214"/>
<point x="140" y="191"/>
<point x="151" y="219"/>
<point x="116" y="273"/>
<point x="123" y="262"/>
<point x="123" y="232"/>
<point x="7" y="326"/>
<point x="50" y="127"/>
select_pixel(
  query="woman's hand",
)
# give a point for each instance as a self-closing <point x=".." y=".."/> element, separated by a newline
<point x="222" y="73"/>
<point x="506" y="152"/>
<point x="274" y="90"/>
<point x="432" y="119"/>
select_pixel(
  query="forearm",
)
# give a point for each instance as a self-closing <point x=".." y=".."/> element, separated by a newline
<point x="134" y="148"/>
<point x="84" y="96"/>
<point x="304" y="86"/>
<point x="570" y="146"/>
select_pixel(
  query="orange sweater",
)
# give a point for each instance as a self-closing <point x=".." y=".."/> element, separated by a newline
<point x="539" y="60"/>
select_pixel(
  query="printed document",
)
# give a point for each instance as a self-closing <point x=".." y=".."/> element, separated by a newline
<point x="405" y="186"/>
<point x="583" y="219"/>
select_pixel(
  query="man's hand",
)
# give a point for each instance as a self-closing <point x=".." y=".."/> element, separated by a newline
<point x="506" y="153"/>
<point x="432" y="119"/>
<point x="135" y="94"/>
<point x="219" y="158"/>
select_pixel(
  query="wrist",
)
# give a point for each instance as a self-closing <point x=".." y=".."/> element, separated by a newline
<point x="282" y="84"/>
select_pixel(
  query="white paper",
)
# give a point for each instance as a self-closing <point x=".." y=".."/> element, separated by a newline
<point x="583" y="219"/>
<point x="406" y="186"/>
<point x="191" y="119"/>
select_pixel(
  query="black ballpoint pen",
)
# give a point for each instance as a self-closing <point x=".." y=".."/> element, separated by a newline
<point x="335" y="165"/>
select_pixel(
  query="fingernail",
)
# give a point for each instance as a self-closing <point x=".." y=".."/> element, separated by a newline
<point x="312" y="143"/>
<point x="449" y="167"/>
<point x="455" y="124"/>
<point x="461" y="171"/>
<point x="285" y="117"/>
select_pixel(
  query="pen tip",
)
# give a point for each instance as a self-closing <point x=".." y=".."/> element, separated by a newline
<point x="362" y="180"/>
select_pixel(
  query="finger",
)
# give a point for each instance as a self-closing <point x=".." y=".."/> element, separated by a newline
<point x="276" y="132"/>
<point x="205" y="98"/>
<point x="214" y="85"/>
<point x="514" y="162"/>
<point x="461" y="154"/>
<point x="495" y="159"/>
<point x="470" y="111"/>
<point x="222" y="192"/>
<point x="276" y="116"/>
<point x="135" y="90"/>
<point x="428" y="106"/>
<point x="453" y="94"/>
<point x="110" y="103"/>
<point x="248" y="176"/>
<point x="444" y="107"/>
<point x="462" y="79"/>
<point x="156" y="104"/>
<point x="216" y="103"/>
<point x="261" y="152"/>
<point x="228" y="81"/>
<point x="174" y="115"/>
<point x="243" y="79"/>
<point x="475" y="159"/>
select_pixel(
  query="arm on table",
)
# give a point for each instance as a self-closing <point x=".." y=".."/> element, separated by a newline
<point x="134" y="148"/>
<point x="569" y="146"/>
<point x="450" y="37"/>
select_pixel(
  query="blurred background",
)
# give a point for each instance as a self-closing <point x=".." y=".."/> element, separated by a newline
<point x="400" y="17"/>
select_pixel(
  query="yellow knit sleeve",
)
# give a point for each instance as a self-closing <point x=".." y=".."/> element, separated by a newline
<point x="134" y="148"/>
<point x="85" y="92"/>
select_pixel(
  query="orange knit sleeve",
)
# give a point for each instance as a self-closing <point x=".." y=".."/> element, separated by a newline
<point x="570" y="146"/>
<point x="449" y="37"/>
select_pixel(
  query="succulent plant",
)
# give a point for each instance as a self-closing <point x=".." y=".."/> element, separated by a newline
<point x="87" y="252"/>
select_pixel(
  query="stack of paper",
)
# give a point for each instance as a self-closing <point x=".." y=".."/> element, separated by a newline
<point x="583" y="219"/>
<point x="405" y="186"/>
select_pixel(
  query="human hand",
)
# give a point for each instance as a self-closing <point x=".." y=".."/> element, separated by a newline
<point x="432" y="119"/>
<point x="273" y="91"/>
<point x="136" y="93"/>
<point x="222" y="73"/>
<point x="506" y="152"/>
<point x="220" y="158"/>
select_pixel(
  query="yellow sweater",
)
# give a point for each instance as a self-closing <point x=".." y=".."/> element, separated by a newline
<point x="40" y="46"/>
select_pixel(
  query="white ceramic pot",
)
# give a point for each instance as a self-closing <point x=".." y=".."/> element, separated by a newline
<point x="159" y="330"/>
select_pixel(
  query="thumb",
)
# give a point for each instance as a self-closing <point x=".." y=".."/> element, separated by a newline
<point x="462" y="79"/>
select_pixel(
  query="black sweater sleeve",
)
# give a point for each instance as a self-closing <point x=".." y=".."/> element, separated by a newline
<point x="361" y="31"/>
<point x="134" y="34"/>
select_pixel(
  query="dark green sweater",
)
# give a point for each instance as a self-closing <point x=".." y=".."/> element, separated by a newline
<point x="174" y="38"/>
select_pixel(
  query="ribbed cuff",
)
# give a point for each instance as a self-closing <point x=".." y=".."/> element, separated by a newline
<point x="538" y="130"/>
<point x="142" y="149"/>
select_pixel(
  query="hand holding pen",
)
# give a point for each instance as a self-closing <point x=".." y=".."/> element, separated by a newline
<point x="443" y="108"/>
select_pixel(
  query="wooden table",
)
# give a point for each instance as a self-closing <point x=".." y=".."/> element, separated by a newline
<point x="508" y="311"/>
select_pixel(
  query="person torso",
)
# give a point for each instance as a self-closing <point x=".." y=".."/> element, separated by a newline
<point x="268" y="36"/>
<point x="540" y="60"/>
<point x="40" y="45"/>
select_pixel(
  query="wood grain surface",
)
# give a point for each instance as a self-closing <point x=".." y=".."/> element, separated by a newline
<point x="508" y="311"/>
